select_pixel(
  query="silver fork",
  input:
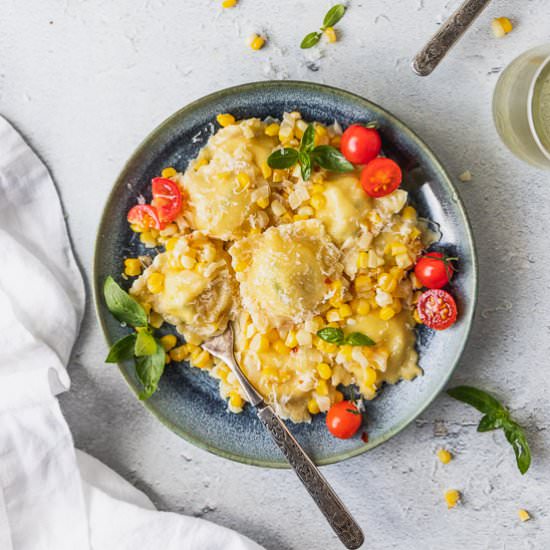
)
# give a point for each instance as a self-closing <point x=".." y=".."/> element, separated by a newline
<point x="322" y="493"/>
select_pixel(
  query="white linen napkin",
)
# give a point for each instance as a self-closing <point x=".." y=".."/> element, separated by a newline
<point x="51" y="496"/>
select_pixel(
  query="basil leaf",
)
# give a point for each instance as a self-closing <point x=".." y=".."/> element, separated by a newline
<point x="283" y="158"/>
<point x="149" y="369"/>
<point x="489" y="422"/>
<point x="334" y="15"/>
<point x="310" y="40"/>
<point x="122" y="349"/>
<point x="329" y="158"/>
<point x="305" y="164"/>
<point x="123" y="306"/>
<point x="358" y="339"/>
<point x="515" y="436"/>
<point x="308" y="139"/>
<point x="479" y="399"/>
<point x="145" y="344"/>
<point x="331" y="335"/>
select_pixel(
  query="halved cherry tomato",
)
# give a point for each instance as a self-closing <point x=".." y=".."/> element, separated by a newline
<point x="360" y="144"/>
<point x="343" y="419"/>
<point x="146" y="216"/>
<point x="166" y="199"/>
<point x="434" y="270"/>
<point x="437" y="309"/>
<point x="380" y="177"/>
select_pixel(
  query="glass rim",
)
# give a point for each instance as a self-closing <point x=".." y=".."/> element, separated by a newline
<point x="530" y="96"/>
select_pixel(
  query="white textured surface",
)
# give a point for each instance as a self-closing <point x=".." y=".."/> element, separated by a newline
<point x="86" y="81"/>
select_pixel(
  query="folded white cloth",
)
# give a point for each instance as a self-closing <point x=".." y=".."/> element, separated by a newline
<point x="51" y="496"/>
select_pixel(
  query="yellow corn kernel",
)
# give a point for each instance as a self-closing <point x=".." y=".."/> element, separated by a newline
<point x="386" y="313"/>
<point x="452" y="496"/>
<point x="132" y="267"/>
<point x="278" y="175"/>
<point x="444" y="456"/>
<point x="345" y="311"/>
<point x="272" y="130"/>
<point x="235" y="400"/>
<point x="155" y="283"/>
<point x="312" y="406"/>
<point x="299" y="218"/>
<point x="332" y="316"/>
<point x="225" y="119"/>
<point x="180" y="353"/>
<point x="136" y="228"/>
<point x="363" y="260"/>
<point x="270" y="372"/>
<point x="387" y="283"/>
<point x="229" y="3"/>
<point x="322" y="388"/>
<point x="259" y="343"/>
<point x="263" y="202"/>
<point x="338" y="396"/>
<point x="346" y="352"/>
<point x="363" y="306"/>
<point x="202" y="360"/>
<point x="171" y="243"/>
<point x="325" y="347"/>
<point x="291" y="340"/>
<point x="148" y="237"/>
<point x="266" y="170"/>
<point x="501" y="26"/>
<point x="244" y="180"/>
<point x="397" y="306"/>
<point x="524" y="515"/>
<point x="201" y="162"/>
<point x="317" y="189"/>
<point x="222" y="372"/>
<point x="416" y="317"/>
<point x="398" y="248"/>
<point x="320" y="130"/>
<point x="324" y="370"/>
<point x="362" y="283"/>
<point x="168" y="342"/>
<point x="155" y="319"/>
<point x="370" y="376"/>
<point x="240" y="266"/>
<point x="318" y="201"/>
<point x="409" y="213"/>
<point x="415" y="233"/>
<point x="273" y="335"/>
<point x="335" y="141"/>
<point x="330" y="33"/>
<point x="280" y="348"/>
<point x="168" y="172"/>
<point x="146" y="307"/>
<point x="256" y="42"/>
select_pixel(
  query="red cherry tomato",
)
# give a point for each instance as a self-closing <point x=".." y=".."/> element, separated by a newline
<point x="166" y="199"/>
<point x="359" y="144"/>
<point x="381" y="177"/>
<point x="437" y="309"/>
<point x="343" y="419"/>
<point x="145" y="215"/>
<point x="434" y="270"/>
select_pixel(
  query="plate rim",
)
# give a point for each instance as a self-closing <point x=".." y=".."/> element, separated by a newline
<point x="403" y="128"/>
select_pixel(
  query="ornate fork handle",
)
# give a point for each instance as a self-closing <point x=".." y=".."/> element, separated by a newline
<point x="326" y="499"/>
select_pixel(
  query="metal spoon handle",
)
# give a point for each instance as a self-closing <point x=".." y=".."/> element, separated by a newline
<point x="326" y="499"/>
<point x="443" y="40"/>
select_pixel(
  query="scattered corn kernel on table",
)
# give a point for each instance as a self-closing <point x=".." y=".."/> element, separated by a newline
<point x="88" y="81"/>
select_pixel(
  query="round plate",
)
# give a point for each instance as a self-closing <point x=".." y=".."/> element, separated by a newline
<point x="188" y="401"/>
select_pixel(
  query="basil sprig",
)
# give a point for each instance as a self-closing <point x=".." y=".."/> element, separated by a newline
<point x="331" y="18"/>
<point x="308" y="156"/>
<point x="146" y="350"/>
<point x="334" y="335"/>
<point x="496" y="416"/>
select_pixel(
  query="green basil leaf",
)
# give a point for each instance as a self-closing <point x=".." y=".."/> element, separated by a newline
<point x="329" y="158"/>
<point x="479" y="399"/>
<point x="489" y="422"/>
<point x="305" y="164"/>
<point x="358" y="339"/>
<point x="516" y="437"/>
<point x="145" y="344"/>
<point x="149" y="369"/>
<point x="123" y="306"/>
<point x="283" y="158"/>
<point x="122" y="349"/>
<point x="310" y="40"/>
<point x="331" y="335"/>
<point x="308" y="139"/>
<point x="334" y="15"/>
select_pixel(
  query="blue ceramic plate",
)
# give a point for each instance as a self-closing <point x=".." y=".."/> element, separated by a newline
<point x="188" y="401"/>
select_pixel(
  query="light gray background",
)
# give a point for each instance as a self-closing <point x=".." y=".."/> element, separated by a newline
<point x="85" y="81"/>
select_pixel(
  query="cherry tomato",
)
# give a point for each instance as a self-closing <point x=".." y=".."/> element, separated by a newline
<point x="343" y="419"/>
<point x="437" y="309"/>
<point x="434" y="270"/>
<point x="381" y="177"/>
<point x="146" y="216"/>
<point x="166" y="199"/>
<point x="359" y="144"/>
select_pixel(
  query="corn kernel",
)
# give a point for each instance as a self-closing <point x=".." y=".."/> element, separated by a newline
<point x="256" y="42"/>
<point x="312" y="406"/>
<point x="168" y="172"/>
<point x="201" y="162"/>
<point x="362" y="283"/>
<point x="299" y="218"/>
<point x="386" y="313"/>
<point x="146" y="307"/>
<point x="322" y="388"/>
<point x="330" y="33"/>
<point x="452" y="496"/>
<point x="332" y="316"/>
<point x="335" y="141"/>
<point x="304" y="338"/>
<point x="370" y="376"/>
<point x="362" y="260"/>
<point x="225" y="119"/>
<point x="168" y="342"/>
<point x="318" y="189"/>
<point x="273" y="335"/>
<point x="347" y="352"/>
<point x="148" y="238"/>
<point x="239" y="266"/>
<point x="416" y="317"/>
<point x="270" y="371"/>
<point x="409" y="213"/>
<point x="263" y="202"/>
<point x="324" y="370"/>
<point x="202" y="360"/>
<point x="155" y="283"/>
<point x="180" y="353"/>
<point x="387" y="283"/>
<point x="444" y="456"/>
<point x="291" y="340"/>
<point x="235" y="400"/>
<point x="272" y="130"/>
<point x="266" y="170"/>
<point x="345" y="311"/>
<point x="259" y="343"/>
<point x="318" y="201"/>
<point x="244" y="180"/>
<point x="136" y="228"/>
<point x="398" y="248"/>
<point x="501" y="26"/>
<point x="524" y="515"/>
<point x="320" y="130"/>
<point x="325" y="347"/>
<point x="415" y="233"/>
<point x="132" y="267"/>
<point x="363" y="306"/>
<point x="155" y="319"/>
<point x="229" y="3"/>
<point x="171" y="243"/>
<point x="188" y="262"/>
<point x="338" y="396"/>
<point x="280" y="348"/>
